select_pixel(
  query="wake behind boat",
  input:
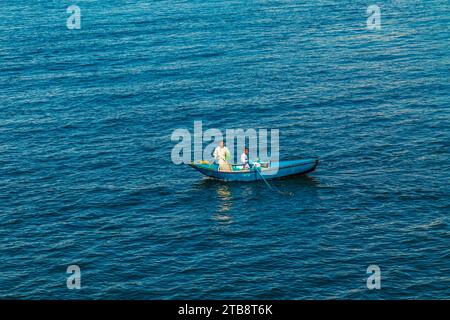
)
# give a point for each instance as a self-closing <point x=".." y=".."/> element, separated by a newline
<point x="269" y="170"/>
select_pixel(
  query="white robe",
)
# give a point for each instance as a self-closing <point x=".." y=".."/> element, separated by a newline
<point x="220" y="154"/>
<point x="244" y="160"/>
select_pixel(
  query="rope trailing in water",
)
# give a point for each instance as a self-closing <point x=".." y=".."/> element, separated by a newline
<point x="258" y="170"/>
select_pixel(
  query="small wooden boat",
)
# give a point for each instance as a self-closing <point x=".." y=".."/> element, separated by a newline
<point x="269" y="170"/>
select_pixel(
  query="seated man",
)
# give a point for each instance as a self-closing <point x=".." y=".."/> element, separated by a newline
<point x="244" y="159"/>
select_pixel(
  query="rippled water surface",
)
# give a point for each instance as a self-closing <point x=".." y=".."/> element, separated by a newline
<point x="86" y="177"/>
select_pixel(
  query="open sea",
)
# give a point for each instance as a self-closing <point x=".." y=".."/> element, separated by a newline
<point x="86" y="118"/>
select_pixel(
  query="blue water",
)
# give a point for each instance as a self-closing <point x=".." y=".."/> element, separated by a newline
<point x="86" y="177"/>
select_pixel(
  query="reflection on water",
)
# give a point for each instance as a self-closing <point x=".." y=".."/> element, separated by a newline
<point x="225" y="197"/>
<point x="250" y="188"/>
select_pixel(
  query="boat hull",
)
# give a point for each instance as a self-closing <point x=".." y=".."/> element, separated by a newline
<point x="276" y="170"/>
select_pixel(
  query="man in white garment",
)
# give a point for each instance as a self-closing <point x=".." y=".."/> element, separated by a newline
<point x="244" y="159"/>
<point x="221" y="154"/>
<point x="246" y="164"/>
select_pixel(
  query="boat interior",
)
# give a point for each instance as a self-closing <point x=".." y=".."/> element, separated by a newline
<point x="233" y="167"/>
